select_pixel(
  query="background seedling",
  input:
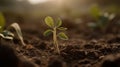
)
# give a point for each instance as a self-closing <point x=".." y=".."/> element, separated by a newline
<point x="54" y="27"/>
<point x="102" y="19"/>
<point x="6" y="34"/>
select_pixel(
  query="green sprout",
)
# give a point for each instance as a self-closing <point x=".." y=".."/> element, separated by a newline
<point x="6" y="34"/>
<point x="101" y="18"/>
<point x="18" y="31"/>
<point x="55" y="26"/>
<point x="102" y="22"/>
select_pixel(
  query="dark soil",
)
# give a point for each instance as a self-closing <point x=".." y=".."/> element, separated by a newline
<point x="83" y="49"/>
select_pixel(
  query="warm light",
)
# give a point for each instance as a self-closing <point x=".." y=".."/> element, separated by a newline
<point x="37" y="1"/>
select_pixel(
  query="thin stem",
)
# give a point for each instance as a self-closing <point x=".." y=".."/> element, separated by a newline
<point x="55" y="42"/>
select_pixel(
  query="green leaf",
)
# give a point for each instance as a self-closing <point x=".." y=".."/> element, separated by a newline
<point x="2" y="21"/>
<point x="62" y="28"/>
<point x="59" y="23"/>
<point x="63" y="36"/>
<point x="49" y="21"/>
<point x="47" y="32"/>
<point x="95" y="11"/>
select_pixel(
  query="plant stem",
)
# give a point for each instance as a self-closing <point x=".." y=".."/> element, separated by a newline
<point x="55" y="42"/>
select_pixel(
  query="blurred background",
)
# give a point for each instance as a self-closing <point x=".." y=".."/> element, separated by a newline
<point x="71" y="8"/>
<point x="74" y="10"/>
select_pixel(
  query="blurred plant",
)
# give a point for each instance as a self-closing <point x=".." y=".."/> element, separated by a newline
<point x="102" y="22"/>
<point x="18" y="31"/>
<point x="6" y="34"/>
<point x="95" y="11"/>
<point x="54" y="27"/>
<point x="102" y="18"/>
<point x="2" y="21"/>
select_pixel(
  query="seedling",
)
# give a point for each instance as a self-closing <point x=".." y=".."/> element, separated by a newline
<point x="102" y="19"/>
<point x="55" y="26"/>
<point x="18" y="31"/>
<point x="6" y="34"/>
<point x="102" y="22"/>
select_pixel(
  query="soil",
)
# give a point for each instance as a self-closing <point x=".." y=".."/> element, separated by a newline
<point x="84" y="48"/>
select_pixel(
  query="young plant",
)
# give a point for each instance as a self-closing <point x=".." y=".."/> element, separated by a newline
<point x="6" y="34"/>
<point x="18" y="31"/>
<point x="102" y="22"/>
<point x="55" y="26"/>
<point x="102" y="19"/>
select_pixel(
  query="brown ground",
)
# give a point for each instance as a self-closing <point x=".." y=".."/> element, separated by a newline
<point x="83" y="49"/>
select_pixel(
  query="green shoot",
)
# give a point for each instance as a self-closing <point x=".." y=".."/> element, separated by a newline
<point x="55" y="26"/>
<point x="18" y="31"/>
<point x="6" y="34"/>
<point x="102" y="22"/>
<point x="102" y="19"/>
